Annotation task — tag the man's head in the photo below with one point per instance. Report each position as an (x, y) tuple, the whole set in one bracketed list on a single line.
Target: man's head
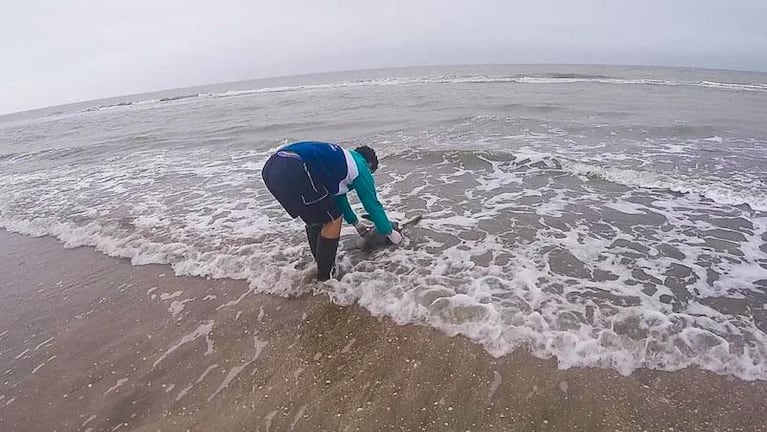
[(370, 157)]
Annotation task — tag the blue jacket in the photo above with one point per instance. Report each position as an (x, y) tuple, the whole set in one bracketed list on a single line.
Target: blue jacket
[(340, 171)]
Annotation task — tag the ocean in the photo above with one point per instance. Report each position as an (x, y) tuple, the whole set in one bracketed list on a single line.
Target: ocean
[(611, 217)]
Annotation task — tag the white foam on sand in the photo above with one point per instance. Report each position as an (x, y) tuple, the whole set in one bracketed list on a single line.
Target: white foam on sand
[(177, 306), (38, 367), (525, 250), (88, 420), (268, 420), (167, 296), (117, 385), (297, 418), (183, 392), (186, 389), (497, 380), (348, 346), (203, 330), (505, 306), (234, 371)]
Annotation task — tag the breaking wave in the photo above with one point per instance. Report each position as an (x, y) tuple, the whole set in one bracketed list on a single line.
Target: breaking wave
[(551, 79)]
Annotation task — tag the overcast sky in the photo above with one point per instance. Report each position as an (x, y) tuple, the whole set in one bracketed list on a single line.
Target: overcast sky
[(59, 51)]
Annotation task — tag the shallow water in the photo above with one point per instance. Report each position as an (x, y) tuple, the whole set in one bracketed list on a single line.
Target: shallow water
[(609, 217)]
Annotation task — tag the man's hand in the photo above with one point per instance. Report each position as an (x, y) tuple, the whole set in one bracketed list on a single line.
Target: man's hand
[(396, 237), (361, 228)]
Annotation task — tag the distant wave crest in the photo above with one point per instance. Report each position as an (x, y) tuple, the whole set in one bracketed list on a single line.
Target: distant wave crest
[(550, 79), (717, 191)]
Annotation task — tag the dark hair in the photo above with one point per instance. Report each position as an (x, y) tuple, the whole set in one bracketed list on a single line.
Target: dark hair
[(370, 156)]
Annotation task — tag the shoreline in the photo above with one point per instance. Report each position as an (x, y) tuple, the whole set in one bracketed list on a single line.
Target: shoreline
[(90, 343)]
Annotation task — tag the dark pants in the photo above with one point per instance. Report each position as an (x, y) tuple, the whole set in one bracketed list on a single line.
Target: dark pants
[(290, 181)]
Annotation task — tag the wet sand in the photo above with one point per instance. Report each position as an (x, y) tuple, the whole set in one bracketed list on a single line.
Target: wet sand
[(91, 343)]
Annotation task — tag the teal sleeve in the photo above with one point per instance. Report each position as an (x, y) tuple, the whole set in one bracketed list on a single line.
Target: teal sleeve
[(366, 190), (343, 203)]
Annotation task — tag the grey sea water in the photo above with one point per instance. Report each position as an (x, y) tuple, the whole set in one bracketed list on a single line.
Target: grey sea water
[(607, 216)]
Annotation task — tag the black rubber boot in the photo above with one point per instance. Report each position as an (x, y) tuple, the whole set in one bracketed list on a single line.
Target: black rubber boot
[(313, 235), (326, 257)]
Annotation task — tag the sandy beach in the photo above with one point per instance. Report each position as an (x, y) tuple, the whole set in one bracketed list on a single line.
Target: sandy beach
[(91, 343)]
